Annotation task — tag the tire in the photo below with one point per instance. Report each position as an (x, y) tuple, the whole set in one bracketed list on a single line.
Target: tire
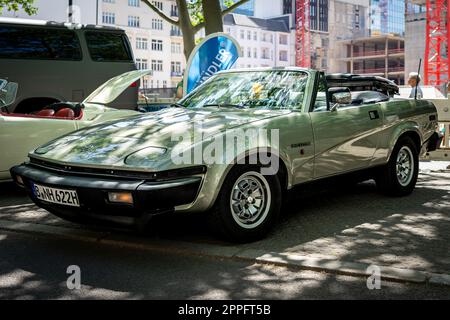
[(266, 199), (399, 177)]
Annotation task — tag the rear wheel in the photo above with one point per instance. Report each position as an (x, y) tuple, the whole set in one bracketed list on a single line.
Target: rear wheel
[(248, 204), (399, 176)]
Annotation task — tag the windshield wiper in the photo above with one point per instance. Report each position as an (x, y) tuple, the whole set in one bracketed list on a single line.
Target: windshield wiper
[(178, 105), (225, 105)]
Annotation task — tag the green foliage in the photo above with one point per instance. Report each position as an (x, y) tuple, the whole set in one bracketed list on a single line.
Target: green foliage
[(196, 12), (15, 5)]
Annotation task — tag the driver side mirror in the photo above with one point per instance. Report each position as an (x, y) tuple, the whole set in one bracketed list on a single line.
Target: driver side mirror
[(8, 92), (340, 98)]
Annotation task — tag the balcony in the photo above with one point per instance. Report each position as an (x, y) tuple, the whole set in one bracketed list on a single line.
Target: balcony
[(374, 53), (176, 74), (378, 70)]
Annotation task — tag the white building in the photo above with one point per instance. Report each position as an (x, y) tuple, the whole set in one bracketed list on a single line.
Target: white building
[(158, 45), (264, 43)]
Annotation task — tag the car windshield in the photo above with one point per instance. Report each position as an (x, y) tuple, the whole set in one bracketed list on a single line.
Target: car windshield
[(251, 89)]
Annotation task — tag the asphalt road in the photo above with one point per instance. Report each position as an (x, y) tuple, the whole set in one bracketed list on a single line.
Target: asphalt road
[(35, 268)]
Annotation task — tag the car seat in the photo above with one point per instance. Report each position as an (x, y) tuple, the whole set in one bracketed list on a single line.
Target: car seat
[(46, 113), (65, 113)]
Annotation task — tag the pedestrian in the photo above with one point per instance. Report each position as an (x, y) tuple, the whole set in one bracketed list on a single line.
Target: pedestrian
[(414, 81)]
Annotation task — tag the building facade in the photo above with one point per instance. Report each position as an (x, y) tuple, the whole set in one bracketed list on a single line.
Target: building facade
[(158, 45), (387, 17), (264, 42)]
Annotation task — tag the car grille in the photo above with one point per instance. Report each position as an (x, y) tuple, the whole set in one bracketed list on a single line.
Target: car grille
[(118, 174)]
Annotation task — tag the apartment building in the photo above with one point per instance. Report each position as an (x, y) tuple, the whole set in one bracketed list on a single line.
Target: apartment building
[(264, 42), (158, 45)]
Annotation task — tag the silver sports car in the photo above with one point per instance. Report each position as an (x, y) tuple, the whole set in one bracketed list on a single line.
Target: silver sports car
[(232, 149)]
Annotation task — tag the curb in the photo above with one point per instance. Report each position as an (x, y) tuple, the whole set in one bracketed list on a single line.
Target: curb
[(228, 252)]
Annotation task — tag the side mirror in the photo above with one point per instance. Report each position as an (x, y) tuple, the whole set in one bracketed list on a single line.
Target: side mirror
[(8, 93), (340, 98)]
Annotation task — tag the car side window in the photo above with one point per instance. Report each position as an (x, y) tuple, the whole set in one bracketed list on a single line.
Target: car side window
[(321, 103)]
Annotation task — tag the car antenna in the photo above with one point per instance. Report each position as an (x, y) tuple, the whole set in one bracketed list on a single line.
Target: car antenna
[(418, 79)]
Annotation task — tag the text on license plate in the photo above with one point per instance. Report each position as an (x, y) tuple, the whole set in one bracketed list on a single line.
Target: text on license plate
[(59, 196)]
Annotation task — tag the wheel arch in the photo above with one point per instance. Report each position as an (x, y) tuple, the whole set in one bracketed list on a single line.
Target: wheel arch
[(283, 172), (409, 130)]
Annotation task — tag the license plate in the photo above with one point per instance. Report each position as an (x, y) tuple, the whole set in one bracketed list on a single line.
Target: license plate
[(59, 196)]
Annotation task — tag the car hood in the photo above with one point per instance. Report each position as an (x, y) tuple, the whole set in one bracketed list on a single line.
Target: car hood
[(111, 89), (109, 144)]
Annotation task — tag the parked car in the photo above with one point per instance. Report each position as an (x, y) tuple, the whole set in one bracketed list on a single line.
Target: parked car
[(23, 132), (129, 170), (56, 62)]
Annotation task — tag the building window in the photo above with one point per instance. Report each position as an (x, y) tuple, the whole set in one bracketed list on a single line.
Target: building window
[(157, 24), (174, 10), (249, 35), (255, 53), (175, 47), (283, 39), (158, 4), (141, 43), (157, 45), (164, 84), (242, 34), (265, 54), (283, 55), (157, 65), (145, 83), (175, 31), (133, 21), (142, 64), (175, 69), (108, 18), (249, 52), (287, 6), (255, 36), (134, 3)]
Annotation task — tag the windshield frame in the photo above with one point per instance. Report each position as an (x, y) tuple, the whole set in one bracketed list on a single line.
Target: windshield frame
[(307, 94)]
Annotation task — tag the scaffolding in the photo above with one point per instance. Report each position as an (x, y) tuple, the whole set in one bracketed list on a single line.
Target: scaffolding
[(437, 71), (303, 41)]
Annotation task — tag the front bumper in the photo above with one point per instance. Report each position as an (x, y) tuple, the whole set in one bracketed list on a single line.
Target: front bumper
[(149, 197)]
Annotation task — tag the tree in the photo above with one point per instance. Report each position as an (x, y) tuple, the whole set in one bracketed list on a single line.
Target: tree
[(194, 15), (15, 5)]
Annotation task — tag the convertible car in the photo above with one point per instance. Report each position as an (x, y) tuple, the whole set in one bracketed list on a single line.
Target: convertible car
[(20, 133), (231, 149)]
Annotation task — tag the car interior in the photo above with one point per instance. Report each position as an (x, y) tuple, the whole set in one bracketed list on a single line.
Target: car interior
[(358, 98), (58, 110)]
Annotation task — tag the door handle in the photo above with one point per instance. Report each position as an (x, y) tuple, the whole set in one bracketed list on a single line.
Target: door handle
[(374, 115)]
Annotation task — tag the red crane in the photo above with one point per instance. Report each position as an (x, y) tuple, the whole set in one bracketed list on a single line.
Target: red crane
[(437, 71), (303, 42)]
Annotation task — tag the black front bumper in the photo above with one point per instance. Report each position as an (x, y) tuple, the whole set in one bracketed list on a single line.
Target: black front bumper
[(149, 197)]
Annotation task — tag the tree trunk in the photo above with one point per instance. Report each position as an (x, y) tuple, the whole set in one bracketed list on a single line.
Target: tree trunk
[(212, 11), (186, 28)]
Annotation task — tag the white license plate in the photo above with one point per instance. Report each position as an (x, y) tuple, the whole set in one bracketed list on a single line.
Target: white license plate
[(59, 196)]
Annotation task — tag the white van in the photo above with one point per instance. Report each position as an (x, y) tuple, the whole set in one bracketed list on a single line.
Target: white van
[(55, 62)]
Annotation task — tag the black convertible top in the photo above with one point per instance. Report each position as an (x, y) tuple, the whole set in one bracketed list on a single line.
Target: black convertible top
[(362, 83)]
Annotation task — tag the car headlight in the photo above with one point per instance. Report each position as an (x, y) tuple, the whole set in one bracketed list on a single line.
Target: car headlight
[(145, 157)]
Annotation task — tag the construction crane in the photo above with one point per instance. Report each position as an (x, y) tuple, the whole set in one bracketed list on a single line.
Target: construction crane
[(437, 71), (303, 41)]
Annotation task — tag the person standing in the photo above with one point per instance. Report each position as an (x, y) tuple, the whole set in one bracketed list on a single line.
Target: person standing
[(414, 81)]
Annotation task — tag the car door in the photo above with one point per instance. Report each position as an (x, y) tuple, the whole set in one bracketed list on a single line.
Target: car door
[(346, 139), (20, 134)]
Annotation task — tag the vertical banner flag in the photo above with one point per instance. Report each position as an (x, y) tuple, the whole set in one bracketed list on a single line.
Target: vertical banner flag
[(215, 53)]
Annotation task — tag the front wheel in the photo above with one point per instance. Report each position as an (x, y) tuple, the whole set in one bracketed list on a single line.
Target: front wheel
[(248, 204), (399, 176)]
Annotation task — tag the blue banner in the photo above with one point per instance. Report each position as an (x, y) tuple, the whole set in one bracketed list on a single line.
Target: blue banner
[(215, 53)]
